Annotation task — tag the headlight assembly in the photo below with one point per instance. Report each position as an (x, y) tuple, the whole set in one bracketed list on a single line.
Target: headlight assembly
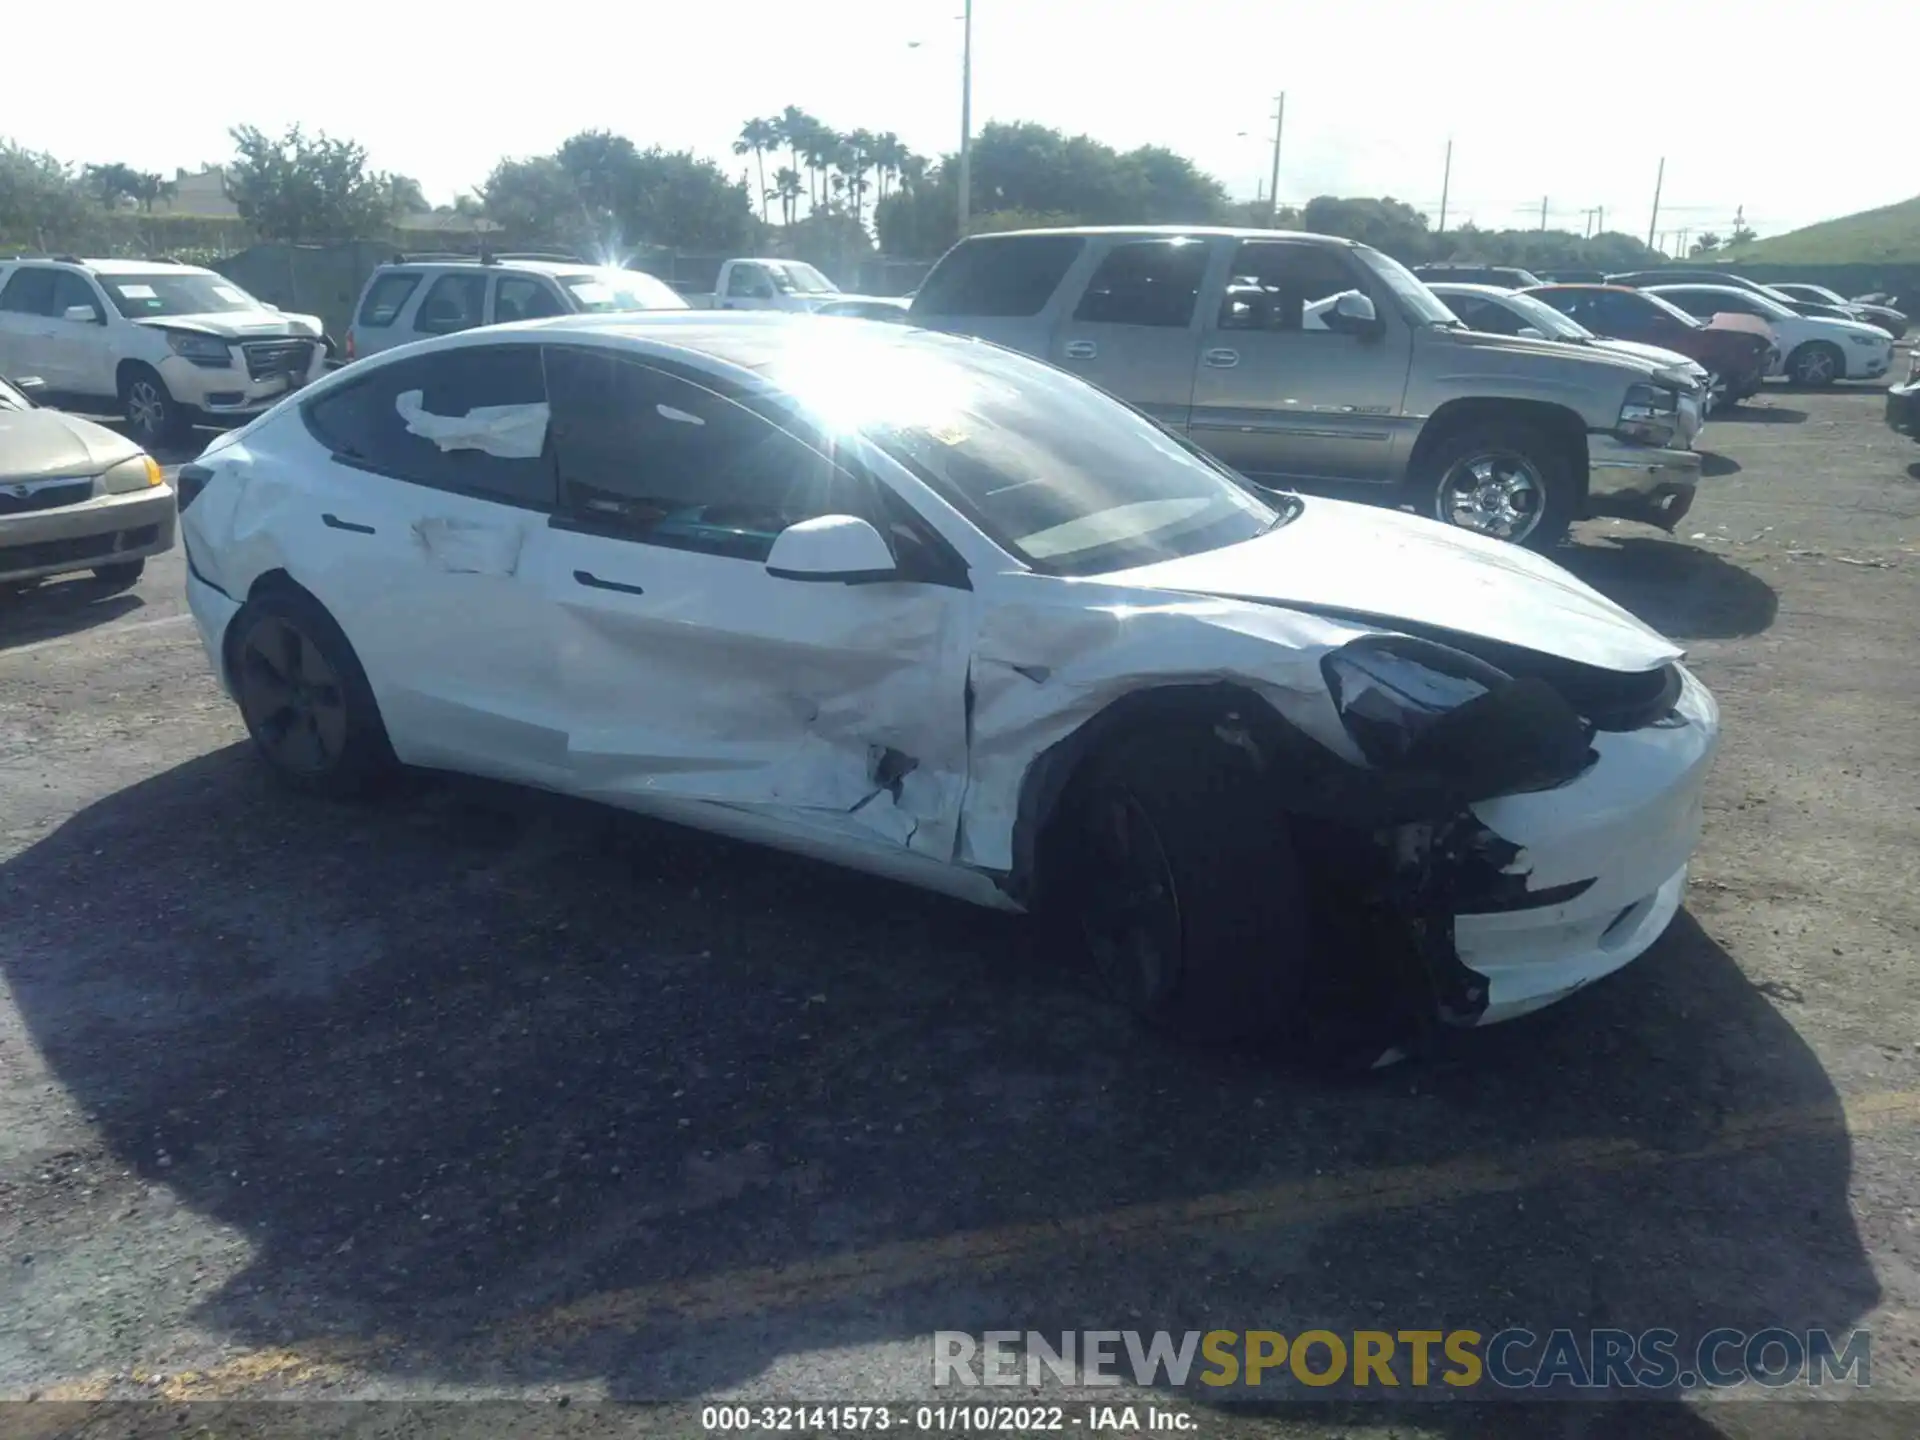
[(1428, 711), (1649, 414), (208, 350)]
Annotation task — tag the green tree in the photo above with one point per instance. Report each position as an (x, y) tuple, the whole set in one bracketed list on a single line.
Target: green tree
[(787, 189), (1705, 245), (114, 184), (407, 198), (756, 138), (42, 204), (1385, 223), (303, 190), (536, 198)]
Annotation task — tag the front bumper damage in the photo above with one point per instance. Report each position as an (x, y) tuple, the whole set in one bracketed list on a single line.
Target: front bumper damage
[(1639, 482)]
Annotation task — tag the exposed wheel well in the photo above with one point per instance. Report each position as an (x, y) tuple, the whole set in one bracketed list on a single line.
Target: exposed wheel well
[(1558, 421), (267, 582), (1244, 723)]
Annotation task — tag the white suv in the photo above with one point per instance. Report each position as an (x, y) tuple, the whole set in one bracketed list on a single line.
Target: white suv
[(418, 296), (162, 344)]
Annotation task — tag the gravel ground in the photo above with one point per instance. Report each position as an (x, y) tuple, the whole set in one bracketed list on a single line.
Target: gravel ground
[(486, 1093)]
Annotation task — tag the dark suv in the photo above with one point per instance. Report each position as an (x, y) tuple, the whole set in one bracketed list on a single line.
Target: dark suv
[(1507, 277)]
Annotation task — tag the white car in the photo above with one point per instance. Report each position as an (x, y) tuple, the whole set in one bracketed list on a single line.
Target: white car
[(1813, 351), (1494, 311), (164, 345), (925, 607)]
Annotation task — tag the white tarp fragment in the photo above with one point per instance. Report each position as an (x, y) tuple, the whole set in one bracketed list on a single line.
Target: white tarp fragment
[(469, 547), (511, 432)]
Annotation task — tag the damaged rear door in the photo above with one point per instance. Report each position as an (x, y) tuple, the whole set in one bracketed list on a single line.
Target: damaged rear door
[(690, 673), (412, 535)]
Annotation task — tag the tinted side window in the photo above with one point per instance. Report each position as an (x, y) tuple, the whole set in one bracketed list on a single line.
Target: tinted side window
[(29, 292), (1148, 282), (651, 456), (1000, 278), (405, 420), (748, 282), (1271, 285), (453, 302), (69, 290), (386, 298), (1694, 303), (521, 297), (1484, 315)]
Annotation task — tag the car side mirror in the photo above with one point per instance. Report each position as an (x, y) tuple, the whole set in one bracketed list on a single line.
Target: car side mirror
[(1527, 332), (81, 315), (32, 387), (1352, 314), (841, 548)]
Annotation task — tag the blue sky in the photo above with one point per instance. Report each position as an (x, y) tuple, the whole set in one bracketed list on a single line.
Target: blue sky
[(1575, 104)]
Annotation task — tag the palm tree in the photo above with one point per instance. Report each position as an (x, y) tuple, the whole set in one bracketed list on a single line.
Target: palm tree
[(821, 147), (858, 160), (888, 152), (912, 168), (787, 189), (756, 138), (794, 125)]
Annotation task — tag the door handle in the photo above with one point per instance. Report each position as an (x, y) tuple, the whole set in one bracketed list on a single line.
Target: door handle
[(1222, 359), (1081, 350), (587, 577), (334, 522)]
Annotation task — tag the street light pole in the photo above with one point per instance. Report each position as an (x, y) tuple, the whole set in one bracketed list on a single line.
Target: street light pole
[(1273, 189), (966, 115)]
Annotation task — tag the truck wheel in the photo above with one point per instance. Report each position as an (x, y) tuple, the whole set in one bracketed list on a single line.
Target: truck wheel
[(1509, 482), (153, 415), (1816, 363), (1179, 876), (305, 700)]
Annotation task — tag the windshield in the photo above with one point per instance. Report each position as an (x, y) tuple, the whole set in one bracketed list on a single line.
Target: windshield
[(1692, 321), (1544, 318), (1421, 305), (798, 277), (140, 297), (600, 292), (1053, 471)]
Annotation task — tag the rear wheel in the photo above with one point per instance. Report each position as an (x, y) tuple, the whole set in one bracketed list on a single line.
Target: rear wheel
[(1816, 363), (305, 700), (1183, 886), (1511, 482)]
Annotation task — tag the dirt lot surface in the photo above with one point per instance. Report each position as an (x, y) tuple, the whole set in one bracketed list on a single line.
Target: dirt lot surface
[(480, 1092)]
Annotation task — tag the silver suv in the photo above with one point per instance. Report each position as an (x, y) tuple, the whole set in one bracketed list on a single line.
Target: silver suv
[(422, 295), (1313, 361)]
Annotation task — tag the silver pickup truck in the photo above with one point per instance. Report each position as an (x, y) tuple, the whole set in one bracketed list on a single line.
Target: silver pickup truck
[(1310, 361)]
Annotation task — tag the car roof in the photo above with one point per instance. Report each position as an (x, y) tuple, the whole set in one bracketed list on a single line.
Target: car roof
[(110, 266), (537, 267), (1152, 232), (1699, 285), (1472, 288)]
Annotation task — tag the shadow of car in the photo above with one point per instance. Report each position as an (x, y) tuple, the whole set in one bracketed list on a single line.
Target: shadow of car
[(510, 1090)]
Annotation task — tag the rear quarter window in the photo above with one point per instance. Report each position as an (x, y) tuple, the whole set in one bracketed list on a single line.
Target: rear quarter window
[(1003, 277), (386, 298)]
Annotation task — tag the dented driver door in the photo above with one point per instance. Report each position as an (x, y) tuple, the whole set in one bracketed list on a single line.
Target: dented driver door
[(828, 712)]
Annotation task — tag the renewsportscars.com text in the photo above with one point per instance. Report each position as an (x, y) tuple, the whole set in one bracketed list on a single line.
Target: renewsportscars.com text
[(1510, 1359)]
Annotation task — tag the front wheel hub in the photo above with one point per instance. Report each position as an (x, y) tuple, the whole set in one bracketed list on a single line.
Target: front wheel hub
[(1498, 495)]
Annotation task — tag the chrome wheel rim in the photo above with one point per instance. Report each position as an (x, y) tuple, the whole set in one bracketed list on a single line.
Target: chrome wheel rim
[(1497, 494), (292, 698), (1816, 368), (146, 407)]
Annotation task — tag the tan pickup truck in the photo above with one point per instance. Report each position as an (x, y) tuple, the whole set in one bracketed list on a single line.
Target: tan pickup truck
[(1309, 361)]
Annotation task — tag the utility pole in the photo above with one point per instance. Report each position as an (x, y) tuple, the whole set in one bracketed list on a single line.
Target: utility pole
[(1587, 234), (1658, 181), (1543, 212), (1273, 190), (1446, 179), (1600, 223), (966, 114)]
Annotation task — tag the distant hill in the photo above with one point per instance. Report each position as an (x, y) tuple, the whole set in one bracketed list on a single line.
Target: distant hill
[(1887, 236)]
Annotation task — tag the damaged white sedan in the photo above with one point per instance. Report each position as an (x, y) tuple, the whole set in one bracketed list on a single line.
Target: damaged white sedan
[(922, 606)]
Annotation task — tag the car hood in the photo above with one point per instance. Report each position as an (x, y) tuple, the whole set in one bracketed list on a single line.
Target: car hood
[(47, 445), (1584, 358), (1651, 354), (241, 324), (1356, 560)]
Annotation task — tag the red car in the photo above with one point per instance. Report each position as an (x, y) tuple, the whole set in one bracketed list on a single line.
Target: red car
[(1739, 359)]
